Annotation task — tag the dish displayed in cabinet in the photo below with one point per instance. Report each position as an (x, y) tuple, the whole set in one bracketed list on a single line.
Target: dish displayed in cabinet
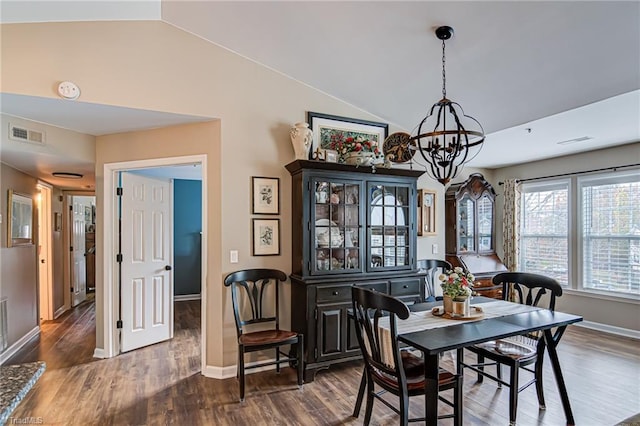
[(328, 234)]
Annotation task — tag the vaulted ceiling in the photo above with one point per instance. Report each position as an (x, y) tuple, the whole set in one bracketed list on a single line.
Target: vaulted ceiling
[(565, 70)]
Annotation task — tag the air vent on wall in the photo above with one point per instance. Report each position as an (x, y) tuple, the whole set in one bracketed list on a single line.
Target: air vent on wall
[(22, 134)]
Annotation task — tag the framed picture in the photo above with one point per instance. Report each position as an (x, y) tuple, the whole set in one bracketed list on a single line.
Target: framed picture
[(426, 212), (330, 129), (19, 219), (266, 237), (266, 195), (331, 156)]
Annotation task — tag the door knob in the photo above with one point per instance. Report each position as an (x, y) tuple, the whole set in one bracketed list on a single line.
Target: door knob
[(167, 267)]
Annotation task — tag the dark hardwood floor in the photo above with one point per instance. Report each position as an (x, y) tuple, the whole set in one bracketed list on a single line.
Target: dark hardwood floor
[(162, 384)]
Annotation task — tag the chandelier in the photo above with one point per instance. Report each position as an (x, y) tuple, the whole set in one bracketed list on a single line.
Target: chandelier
[(447, 138)]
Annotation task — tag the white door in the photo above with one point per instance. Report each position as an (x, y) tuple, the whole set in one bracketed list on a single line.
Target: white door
[(146, 295), (78, 261)]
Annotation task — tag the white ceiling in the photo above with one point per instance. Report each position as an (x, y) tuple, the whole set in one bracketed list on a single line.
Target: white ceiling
[(563, 69)]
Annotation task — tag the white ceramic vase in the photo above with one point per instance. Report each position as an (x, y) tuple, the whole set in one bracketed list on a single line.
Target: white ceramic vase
[(301, 137)]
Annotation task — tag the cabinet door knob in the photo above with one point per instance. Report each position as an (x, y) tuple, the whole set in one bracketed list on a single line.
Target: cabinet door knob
[(335, 293), (405, 286)]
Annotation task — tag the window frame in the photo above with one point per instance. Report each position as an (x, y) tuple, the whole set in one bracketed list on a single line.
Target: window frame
[(607, 178)]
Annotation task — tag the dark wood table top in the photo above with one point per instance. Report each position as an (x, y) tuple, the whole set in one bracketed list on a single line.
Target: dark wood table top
[(463, 334)]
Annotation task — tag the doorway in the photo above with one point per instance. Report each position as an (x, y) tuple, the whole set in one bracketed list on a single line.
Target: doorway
[(45, 251), (111, 296)]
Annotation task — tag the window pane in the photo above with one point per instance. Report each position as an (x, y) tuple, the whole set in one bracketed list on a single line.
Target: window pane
[(611, 234), (544, 231)]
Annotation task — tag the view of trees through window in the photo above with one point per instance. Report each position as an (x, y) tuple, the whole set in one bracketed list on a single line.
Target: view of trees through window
[(545, 231), (598, 224)]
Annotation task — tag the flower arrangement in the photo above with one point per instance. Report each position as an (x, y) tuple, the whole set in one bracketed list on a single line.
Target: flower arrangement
[(347, 145), (456, 283)]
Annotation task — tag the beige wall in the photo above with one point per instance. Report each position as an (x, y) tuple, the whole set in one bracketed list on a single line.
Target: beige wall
[(176, 141), (611, 312), (18, 281), (151, 65)]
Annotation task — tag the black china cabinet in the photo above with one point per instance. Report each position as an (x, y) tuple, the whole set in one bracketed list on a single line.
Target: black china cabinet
[(350, 226)]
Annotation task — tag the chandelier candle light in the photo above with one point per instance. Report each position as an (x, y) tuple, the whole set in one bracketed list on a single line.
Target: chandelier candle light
[(447, 138)]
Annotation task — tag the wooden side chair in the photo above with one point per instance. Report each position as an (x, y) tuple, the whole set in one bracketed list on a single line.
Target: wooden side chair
[(433, 268), (253, 305), (405, 378), (519, 351)]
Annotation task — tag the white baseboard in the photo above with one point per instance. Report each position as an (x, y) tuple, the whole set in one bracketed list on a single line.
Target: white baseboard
[(183, 297), (11, 350), (231, 371), (99, 353), (59, 312), (625, 332)]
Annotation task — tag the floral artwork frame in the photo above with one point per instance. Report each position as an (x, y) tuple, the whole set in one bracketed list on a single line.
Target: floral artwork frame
[(325, 126), (266, 195), (266, 237)]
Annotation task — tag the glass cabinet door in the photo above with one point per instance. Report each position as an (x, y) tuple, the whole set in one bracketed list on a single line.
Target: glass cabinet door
[(466, 224), (388, 226), (485, 223), (336, 226)]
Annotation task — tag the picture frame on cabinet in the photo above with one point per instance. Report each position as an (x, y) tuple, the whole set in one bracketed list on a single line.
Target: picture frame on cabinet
[(266, 195), (266, 237), (327, 129), (426, 212)]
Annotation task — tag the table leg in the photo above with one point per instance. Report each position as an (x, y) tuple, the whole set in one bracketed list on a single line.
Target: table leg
[(551, 343), (431, 374)]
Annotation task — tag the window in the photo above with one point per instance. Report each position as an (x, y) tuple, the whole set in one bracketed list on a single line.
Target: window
[(544, 230), (610, 232), (597, 217)]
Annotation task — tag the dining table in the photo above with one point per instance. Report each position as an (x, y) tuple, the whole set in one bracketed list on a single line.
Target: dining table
[(500, 319)]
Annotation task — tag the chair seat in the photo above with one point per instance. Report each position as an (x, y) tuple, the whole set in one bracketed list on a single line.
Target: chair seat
[(266, 336), (414, 372), (518, 348)]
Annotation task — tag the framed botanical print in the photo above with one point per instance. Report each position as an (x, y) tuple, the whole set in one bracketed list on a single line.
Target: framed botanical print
[(266, 195), (266, 237)]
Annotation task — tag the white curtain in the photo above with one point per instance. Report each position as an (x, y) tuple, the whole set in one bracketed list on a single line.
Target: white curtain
[(511, 224)]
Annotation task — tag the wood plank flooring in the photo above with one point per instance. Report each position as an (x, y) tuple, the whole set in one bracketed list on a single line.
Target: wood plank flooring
[(162, 384)]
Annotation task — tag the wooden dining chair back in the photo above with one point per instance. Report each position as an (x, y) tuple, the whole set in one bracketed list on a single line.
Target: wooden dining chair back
[(386, 365), (432, 268), (252, 308), (520, 351)]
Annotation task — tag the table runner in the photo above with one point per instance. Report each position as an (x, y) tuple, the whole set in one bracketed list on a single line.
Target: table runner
[(425, 320)]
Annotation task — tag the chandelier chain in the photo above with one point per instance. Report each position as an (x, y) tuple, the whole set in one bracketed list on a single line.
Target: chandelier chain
[(444, 75)]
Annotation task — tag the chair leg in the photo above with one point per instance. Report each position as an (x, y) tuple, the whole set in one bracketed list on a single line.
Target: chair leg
[(241, 371), (300, 360), (539, 386), (278, 359), (369, 407), (361, 392), (499, 373), (480, 362), (513, 394), (404, 408)]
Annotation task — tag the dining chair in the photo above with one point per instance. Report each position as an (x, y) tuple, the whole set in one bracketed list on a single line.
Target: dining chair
[(519, 351), (396, 371), (432, 268), (252, 309)]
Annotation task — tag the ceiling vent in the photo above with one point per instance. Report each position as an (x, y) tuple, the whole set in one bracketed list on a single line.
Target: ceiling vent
[(576, 140), (22, 134)]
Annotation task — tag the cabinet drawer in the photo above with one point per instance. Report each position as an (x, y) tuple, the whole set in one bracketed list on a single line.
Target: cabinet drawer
[(342, 293), (405, 287), (334, 294)]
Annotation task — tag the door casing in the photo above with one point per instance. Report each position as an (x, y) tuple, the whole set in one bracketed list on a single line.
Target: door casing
[(110, 291)]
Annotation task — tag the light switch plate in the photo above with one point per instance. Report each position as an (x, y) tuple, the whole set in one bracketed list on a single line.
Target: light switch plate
[(233, 256), (434, 248)]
